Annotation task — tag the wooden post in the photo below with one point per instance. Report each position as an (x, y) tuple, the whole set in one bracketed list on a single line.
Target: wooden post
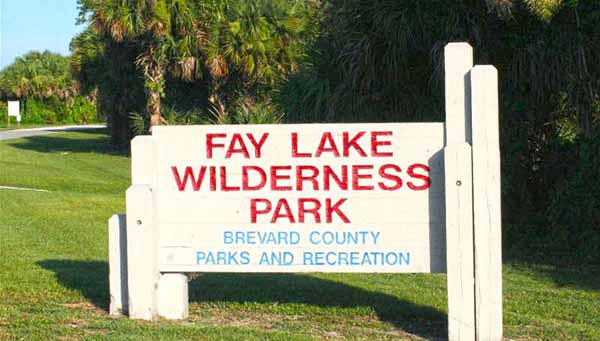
[(142, 260), (458, 61), (459, 241), (487, 203), (459, 205), (117, 260), (173, 296), (143, 160), (142, 232), (171, 291)]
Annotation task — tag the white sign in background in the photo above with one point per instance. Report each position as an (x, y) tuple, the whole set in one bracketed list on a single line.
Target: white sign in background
[(14, 110), (385, 212)]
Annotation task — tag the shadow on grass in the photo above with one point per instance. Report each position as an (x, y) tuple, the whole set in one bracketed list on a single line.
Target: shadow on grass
[(94, 141), (90, 278), (304, 289), (580, 277), (563, 268)]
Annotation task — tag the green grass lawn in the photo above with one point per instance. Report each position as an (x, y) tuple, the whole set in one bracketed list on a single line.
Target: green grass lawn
[(54, 272)]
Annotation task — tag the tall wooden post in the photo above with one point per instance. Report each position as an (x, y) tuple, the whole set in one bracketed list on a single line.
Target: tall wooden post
[(487, 201), (459, 205), (142, 232)]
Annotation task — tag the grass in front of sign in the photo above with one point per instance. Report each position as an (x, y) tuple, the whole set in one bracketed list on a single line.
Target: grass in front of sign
[(54, 274)]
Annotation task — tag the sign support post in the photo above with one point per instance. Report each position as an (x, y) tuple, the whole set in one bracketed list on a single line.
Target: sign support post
[(486, 201), (142, 232), (459, 202), (117, 260)]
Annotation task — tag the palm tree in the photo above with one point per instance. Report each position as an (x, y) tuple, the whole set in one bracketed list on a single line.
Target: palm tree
[(167, 32), (39, 75), (251, 44)]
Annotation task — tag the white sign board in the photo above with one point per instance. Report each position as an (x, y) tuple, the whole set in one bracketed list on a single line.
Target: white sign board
[(13, 110), (393, 197), (296, 198)]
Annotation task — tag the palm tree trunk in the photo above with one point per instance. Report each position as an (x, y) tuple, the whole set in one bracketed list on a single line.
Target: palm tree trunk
[(154, 107), (153, 67)]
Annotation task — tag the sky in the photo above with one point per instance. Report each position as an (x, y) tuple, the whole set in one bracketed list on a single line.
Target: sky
[(27, 25)]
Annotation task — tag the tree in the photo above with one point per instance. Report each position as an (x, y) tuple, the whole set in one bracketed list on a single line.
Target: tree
[(38, 75), (165, 31), (251, 45)]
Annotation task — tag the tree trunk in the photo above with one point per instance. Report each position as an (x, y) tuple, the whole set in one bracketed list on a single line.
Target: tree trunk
[(154, 73), (154, 108)]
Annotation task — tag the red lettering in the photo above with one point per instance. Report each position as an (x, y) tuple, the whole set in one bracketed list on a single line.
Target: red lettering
[(425, 178), (356, 177), (329, 210), (348, 142), (301, 177), (257, 145), (188, 174), (213, 178), (304, 209), (392, 177), (210, 145), (224, 186), (276, 177), (237, 138), (282, 204), (246, 179), (375, 143), (254, 212), (331, 148), (329, 174), (295, 152)]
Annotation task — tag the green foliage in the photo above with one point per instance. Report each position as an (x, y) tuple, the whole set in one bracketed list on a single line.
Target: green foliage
[(545, 9), (43, 84), (37, 75), (224, 50), (256, 41), (139, 122), (87, 60), (40, 113), (3, 109), (248, 111), (53, 110), (163, 34), (374, 61), (574, 210), (82, 111)]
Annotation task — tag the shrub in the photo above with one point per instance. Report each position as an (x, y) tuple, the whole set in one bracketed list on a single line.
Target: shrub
[(574, 210), (53, 110), (82, 111)]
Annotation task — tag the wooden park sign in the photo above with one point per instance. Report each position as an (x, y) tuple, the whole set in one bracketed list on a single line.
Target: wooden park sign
[(393, 197)]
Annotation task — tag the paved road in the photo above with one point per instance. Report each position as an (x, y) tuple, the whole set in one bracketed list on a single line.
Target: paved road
[(14, 134)]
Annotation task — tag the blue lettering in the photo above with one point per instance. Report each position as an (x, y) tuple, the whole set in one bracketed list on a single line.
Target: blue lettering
[(227, 237)]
